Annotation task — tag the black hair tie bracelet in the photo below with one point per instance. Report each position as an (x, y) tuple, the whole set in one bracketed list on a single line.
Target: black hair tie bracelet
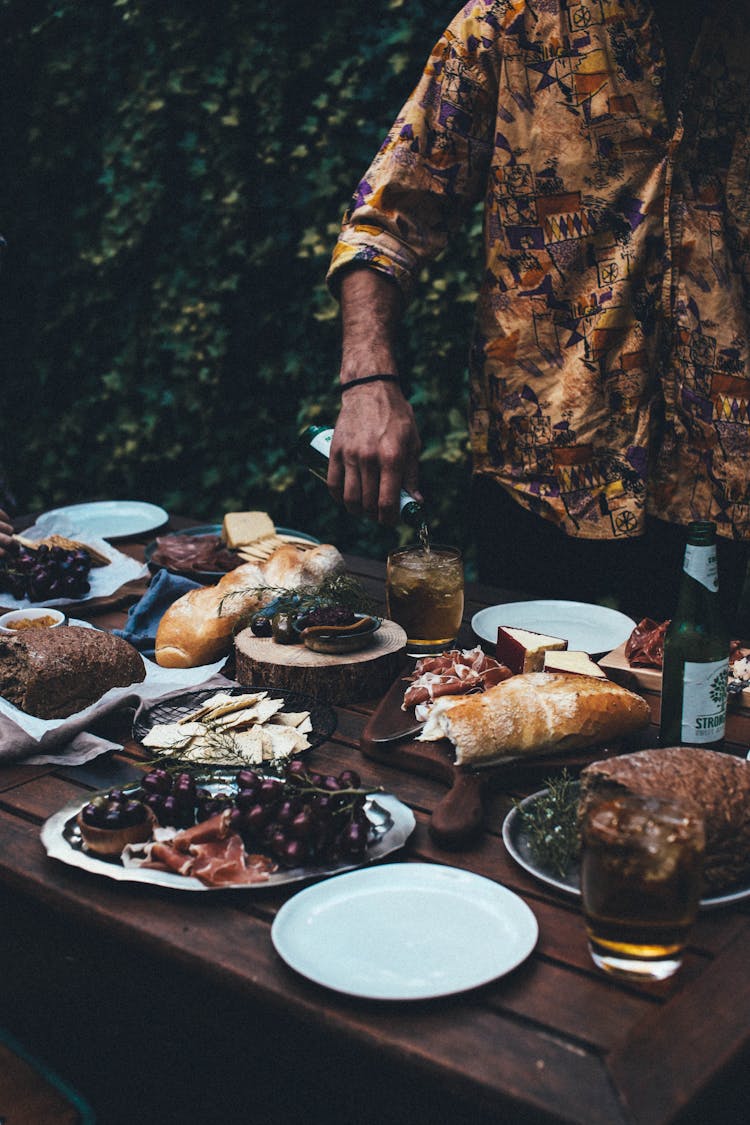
[(369, 379)]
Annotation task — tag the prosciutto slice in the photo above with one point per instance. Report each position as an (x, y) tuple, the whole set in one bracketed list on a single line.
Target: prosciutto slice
[(194, 552), (645, 645), (209, 851), (456, 672)]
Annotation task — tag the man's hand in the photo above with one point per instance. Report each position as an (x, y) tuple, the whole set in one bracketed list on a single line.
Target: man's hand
[(374, 452), (375, 447), (6, 531)]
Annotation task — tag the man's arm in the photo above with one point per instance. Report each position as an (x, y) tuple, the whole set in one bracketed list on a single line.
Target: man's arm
[(375, 448), (5, 532)]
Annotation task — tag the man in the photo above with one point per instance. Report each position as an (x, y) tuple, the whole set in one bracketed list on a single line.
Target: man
[(609, 403), (6, 532)]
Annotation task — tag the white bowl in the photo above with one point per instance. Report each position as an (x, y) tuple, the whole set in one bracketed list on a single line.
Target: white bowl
[(59, 618)]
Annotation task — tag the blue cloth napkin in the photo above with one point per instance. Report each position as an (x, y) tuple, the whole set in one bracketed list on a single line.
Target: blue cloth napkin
[(144, 617)]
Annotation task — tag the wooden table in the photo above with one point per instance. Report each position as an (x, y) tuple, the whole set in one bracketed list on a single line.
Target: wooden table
[(178, 1007)]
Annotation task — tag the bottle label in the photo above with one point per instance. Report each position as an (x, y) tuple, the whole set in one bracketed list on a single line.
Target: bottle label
[(704, 701), (321, 443), (700, 563)]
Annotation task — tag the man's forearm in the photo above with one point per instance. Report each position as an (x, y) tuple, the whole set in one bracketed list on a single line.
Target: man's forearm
[(370, 313), (375, 447)]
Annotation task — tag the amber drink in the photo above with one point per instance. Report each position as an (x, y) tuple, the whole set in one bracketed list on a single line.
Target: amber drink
[(425, 595), (640, 882)]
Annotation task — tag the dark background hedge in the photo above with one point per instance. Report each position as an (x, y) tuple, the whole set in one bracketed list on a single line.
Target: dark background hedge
[(174, 174)]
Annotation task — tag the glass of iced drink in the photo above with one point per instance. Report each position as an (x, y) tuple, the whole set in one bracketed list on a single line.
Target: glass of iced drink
[(641, 866), (425, 595)]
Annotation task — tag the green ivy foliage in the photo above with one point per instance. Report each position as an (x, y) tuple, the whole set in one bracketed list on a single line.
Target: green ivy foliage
[(175, 174)]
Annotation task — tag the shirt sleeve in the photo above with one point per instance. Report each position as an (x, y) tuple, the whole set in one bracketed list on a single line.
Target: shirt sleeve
[(432, 166)]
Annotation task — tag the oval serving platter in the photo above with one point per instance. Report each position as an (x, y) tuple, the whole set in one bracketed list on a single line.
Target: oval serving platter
[(392, 824)]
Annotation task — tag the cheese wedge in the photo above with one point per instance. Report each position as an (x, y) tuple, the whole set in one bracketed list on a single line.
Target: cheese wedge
[(521, 650), (569, 660), (241, 528)]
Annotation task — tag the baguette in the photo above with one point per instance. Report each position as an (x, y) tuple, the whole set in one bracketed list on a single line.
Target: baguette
[(198, 627), (716, 785), (535, 713)]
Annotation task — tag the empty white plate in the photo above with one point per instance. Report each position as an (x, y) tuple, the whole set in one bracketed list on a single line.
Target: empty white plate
[(404, 931), (113, 519)]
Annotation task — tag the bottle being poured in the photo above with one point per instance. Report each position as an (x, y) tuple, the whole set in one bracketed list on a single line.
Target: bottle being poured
[(315, 451)]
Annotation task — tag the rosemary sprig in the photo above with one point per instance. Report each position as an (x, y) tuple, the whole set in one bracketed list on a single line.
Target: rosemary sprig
[(220, 748), (337, 589), (551, 824)]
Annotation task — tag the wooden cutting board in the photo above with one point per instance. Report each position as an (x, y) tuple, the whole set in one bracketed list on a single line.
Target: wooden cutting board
[(459, 817), (340, 679), (128, 593)]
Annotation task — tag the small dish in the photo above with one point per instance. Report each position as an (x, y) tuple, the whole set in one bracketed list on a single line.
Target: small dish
[(35, 618), (341, 639)]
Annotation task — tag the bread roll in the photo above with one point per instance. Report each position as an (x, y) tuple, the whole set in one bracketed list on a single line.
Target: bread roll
[(289, 566), (535, 713), (717, 785), (198, 627)]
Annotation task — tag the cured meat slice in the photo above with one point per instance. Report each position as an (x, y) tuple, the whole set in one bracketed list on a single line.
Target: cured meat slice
[(456, 672), (209, 851), (645, 645)]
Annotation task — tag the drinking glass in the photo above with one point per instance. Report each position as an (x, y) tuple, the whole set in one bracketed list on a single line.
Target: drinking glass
[(640, 882), (425, 595)]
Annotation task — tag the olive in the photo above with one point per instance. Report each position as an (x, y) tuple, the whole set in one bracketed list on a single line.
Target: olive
[(282, 628), (260, 625)]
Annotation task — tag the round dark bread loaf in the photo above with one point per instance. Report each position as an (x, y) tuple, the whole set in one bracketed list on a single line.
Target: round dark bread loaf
[(716, 784), (52, 673)]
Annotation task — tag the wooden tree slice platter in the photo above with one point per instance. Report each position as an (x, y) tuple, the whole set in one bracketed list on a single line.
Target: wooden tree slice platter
[(345, 678)]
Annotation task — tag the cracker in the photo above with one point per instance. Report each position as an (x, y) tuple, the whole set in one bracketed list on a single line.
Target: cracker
[(168, 736)]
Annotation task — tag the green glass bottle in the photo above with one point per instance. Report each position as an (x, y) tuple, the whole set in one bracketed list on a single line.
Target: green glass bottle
[(314, 450), (696, 651)]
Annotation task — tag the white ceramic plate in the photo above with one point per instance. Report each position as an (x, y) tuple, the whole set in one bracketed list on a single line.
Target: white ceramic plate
[(589, 628), (404, 931), (113, 519), (516, 841)]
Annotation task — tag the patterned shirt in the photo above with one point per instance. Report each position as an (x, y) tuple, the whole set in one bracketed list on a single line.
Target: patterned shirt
[(609, 366)]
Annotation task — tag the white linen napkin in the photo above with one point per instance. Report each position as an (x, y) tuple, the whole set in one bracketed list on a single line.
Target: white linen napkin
[(104, 580), (24, 738)]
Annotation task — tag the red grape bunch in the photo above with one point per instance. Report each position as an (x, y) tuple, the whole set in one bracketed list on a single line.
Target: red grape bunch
[(44, 573), (299, 818), (303, 817)]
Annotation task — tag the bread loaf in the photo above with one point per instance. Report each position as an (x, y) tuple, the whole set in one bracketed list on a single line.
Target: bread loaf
[(535, 713), (52, 673), (716, 784), (198, 627)]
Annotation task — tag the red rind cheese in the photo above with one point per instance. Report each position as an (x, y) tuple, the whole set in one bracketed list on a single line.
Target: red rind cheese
[(523, 650)]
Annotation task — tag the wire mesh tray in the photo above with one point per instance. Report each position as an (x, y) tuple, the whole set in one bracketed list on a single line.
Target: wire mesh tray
[(175, 707)]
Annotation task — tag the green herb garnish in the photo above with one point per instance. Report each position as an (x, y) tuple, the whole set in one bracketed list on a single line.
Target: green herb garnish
[(339, 589), (551, 824)]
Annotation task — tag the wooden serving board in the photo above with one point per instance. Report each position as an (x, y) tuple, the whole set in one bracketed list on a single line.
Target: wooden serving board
[(128, 593), (459, 817), (647, 681), (340, 679)]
